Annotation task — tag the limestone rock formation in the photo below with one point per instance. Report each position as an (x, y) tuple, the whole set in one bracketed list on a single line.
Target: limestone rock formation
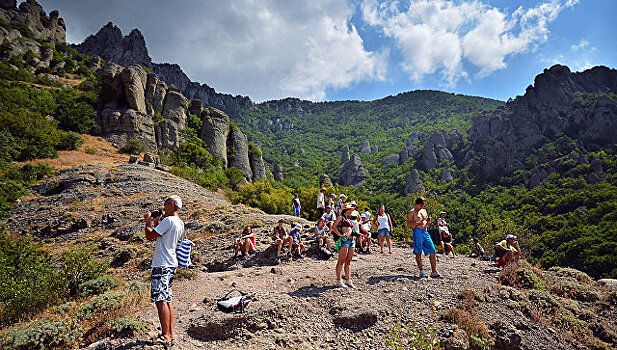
[(214, 132), (109, 44), (547, 108), (391, 159), (345, 154), (278, 173), (134, 79), (257, 163), (365, 148), (352, 173), (239, 158), (447, 175), (436, 147), (374, 149), (413, 183)]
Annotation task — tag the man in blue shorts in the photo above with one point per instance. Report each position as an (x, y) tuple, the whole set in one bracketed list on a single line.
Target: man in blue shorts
[(418, 219)]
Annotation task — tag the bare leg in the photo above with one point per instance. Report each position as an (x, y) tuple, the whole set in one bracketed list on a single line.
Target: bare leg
[(164, 317), (250, 247), (389, 244), (433, 259), (419, 261), (342, 256), (380, 239), (172, 315), (350, 252), (279, 245)]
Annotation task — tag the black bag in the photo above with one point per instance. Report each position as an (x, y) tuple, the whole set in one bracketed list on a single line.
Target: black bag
[(324, 253), (233, 304)]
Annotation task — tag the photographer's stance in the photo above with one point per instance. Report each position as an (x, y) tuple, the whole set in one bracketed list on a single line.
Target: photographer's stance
[(164, 264)]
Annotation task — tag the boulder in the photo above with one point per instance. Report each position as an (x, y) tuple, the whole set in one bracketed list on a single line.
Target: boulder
[(239, 143), (196, 107), (447, 175), (609, 282), (278, 173), (365, 148), (413, 183), (374, 149), (324, 180), (352, 173), (345, 154), (404, 156), (391, 159), (134, 79), (214, 132)]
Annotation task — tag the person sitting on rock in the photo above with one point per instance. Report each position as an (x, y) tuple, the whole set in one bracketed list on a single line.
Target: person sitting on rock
[(246, 243), (477, 250), (507, 251), (280, 237), (330, 217), (297, 244), (445, 237), (321, 233), (365, 233)]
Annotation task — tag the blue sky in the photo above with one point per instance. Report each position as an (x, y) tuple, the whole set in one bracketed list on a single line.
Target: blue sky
[(360, 49)]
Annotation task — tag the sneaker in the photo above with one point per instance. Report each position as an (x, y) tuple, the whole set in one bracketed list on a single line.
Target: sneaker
[(436, 275), (300, 256), (341, 284), (423, 274), (350, 284), (246, 255), (278, 260)]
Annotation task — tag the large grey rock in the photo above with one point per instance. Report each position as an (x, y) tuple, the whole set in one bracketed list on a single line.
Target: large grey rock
[(214, 132), (134, 79), (352, 173), (447, 175), (404, 156), (365, 148), (324, 180), (257, 163), (413, 183), (436, 147), (155, 94), (345, 154), (278, 173), (169, 131), (391, 159), (374, 149), (109, 44), (238, 142)]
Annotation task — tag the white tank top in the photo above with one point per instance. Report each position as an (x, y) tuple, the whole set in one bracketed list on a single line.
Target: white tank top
[(383, 222)]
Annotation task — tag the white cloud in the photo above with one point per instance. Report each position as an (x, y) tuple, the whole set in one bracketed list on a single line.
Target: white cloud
[(438, 35)]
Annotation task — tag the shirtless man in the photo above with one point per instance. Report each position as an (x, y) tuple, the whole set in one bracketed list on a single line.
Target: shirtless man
[(418, 219)]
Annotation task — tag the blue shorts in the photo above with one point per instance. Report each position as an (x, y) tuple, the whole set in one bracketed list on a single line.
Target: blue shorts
[(162, 281), (296, 211), (422, 242), (348, 242), (383, 232)]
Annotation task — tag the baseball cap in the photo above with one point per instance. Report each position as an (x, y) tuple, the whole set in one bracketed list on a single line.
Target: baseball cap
[(298, 227), (510, 236), (281, 220), (342, 196), (442, 212), (353, 203)]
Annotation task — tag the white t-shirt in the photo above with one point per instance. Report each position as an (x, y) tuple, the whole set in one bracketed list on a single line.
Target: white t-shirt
[(441, 222), (329, 217), (170, 229), (321, 202), (383, 222)]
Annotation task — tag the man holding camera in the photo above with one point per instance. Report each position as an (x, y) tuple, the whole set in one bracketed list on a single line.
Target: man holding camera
[(164, 263), (507, 251)]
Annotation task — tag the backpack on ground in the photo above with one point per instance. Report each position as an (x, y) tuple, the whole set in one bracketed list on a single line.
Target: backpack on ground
[(324, 253), (235, 304)]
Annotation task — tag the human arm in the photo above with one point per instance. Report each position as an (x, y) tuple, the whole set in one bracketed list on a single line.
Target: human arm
[(410, 219), (151, 234)]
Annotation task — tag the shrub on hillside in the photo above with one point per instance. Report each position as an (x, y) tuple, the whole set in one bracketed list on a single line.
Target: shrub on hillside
[(263, 195), (79, 266), (128, 326), (43, 334), (70, 141), (98, 285), (132, 146)]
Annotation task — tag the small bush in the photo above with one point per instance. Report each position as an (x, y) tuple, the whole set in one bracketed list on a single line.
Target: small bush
[(413, 335), (572, 273), (529, 279), (128, 326), (215, 227), (91, 150), (138, 287), (109, 301), (185, 274), (79, 266), (127, 253), (70, 141), (253, 223), (475, 328), (132, 146), (97, 286), (43, 334)]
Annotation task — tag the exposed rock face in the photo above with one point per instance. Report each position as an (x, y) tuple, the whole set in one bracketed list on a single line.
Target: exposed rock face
[(345, 154), (374, 149), (109, 44), (174, 120), (8, 4), (119, 126), (257, 164), (214, 133), (447, 175), (134, 80), (549, 107), (352, 173), (324, 180), (239, 143), (413, 183), (436, 147), (391, 159), (365, 148), (278, 173)]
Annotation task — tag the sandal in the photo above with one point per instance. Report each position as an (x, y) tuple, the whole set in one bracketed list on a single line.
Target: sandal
[(161, 340)]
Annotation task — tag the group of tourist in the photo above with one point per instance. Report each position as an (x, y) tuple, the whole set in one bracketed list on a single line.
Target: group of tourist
[(343, 223)]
